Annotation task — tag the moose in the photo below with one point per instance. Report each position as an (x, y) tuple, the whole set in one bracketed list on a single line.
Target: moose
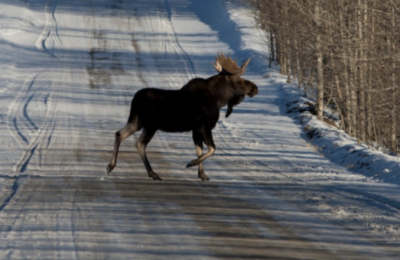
[(195, 107)]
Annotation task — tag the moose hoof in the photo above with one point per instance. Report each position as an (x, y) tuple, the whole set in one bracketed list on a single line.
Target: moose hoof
[(155, 177), (192, 163), (204, 178), (109, 168)]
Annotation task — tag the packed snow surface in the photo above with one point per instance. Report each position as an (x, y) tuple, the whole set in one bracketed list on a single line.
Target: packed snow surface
[(69, 70)]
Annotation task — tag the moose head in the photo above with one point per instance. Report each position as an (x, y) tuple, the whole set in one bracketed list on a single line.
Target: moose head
[(239, 86)]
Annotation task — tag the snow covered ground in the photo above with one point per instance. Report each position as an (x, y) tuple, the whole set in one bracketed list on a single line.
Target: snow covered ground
[(69, 71)]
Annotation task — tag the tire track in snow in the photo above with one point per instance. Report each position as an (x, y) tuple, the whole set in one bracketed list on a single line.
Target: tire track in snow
[(26, 113), (50, 29), (23, 138), (8, 244), (31, 136), (20, 168), (16, 122), (104, 63), (176, 38), (23, 128), (138, 59), (28, 133), (17, 182)]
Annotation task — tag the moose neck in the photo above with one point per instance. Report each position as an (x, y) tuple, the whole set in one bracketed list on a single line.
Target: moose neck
[(221, 89)]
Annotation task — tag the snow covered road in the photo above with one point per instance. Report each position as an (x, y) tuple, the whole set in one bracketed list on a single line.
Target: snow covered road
[(69, 71)]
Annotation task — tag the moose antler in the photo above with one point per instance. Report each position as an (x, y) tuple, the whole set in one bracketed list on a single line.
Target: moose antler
[(222, 63)]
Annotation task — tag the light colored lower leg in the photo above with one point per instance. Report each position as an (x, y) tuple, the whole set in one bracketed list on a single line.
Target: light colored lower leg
[(199, 152), (202, 158), (141, 145), (142, 152), (120, 136), (210, 152)]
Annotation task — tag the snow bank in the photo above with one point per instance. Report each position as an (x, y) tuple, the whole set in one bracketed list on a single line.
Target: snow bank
[(338, 146)]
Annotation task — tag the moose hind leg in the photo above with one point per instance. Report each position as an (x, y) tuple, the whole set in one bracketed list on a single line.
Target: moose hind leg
[(120, 136), (198, 142), (141, 145)]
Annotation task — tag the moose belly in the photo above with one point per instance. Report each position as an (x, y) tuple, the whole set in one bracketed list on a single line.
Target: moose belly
[(184, 124), (175, 129), (170, 121)]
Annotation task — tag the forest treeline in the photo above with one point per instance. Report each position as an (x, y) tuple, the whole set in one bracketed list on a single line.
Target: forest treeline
[(347, 53)]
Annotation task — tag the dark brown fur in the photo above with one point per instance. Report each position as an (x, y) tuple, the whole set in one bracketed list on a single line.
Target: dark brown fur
[(195, 107)]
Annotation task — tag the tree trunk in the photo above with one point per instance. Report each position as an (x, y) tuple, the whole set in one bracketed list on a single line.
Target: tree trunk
[(272, 47), (393, 112), (369, 85), (320, 71), (361, 71)]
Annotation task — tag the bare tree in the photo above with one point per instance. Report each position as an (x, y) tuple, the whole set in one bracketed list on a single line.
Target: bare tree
[(345, 52)]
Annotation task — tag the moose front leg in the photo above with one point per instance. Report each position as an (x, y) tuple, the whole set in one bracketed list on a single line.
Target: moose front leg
[(198, 142), (229, 111), (208, 140)]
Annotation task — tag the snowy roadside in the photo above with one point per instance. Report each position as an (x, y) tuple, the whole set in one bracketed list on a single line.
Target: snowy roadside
[(339, 147), (329, 141)]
